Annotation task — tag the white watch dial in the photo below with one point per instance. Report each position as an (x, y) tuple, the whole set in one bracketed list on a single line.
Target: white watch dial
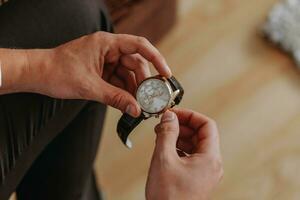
[(153, 95)]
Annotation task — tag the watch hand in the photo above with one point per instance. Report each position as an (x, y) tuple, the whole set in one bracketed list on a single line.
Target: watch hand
[(157, 94)]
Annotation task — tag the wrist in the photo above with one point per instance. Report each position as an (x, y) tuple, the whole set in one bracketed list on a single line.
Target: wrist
[(23, 70), (35, 75), (13, 65)]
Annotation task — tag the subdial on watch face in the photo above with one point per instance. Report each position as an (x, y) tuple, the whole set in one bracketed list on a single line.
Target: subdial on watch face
[(153, 95)]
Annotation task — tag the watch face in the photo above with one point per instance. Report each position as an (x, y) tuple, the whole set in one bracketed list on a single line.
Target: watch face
[(153, 95)]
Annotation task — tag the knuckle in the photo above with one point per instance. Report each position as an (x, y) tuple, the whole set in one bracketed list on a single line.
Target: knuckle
[(96, 36), (116, 100), (166, 160), (120, 37), (211, 121), (85, 90), (158, 128), (217, 167), (221, 174), (142, 40), (101, 36), (167, 127), (141, 61), (155, 58)]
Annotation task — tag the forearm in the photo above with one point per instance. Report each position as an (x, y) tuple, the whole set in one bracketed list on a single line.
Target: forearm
[(19, 70), (14, 66)]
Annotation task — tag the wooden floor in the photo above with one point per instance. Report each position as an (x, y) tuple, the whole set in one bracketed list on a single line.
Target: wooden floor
[(233, 75)]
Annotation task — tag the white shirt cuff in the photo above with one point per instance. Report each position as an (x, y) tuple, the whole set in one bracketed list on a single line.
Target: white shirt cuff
[(0, 75)]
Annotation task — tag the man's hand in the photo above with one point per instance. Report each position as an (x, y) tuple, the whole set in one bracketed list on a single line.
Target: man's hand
[(102, 66), (191, 175)]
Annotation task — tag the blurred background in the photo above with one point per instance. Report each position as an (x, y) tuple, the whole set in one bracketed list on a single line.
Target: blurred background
[(230, 73)]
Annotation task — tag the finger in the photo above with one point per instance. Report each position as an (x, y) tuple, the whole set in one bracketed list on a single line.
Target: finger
[(138, 64), (118, 98), (167, 134), (185, 132), (208, 139), (190, 118), (128, 78), (185, 146), (206, 128), (129, 44), (109, 70), (114, 80)]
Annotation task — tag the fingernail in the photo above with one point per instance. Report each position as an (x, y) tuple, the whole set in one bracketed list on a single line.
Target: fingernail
[(130, 110), (168, 116), (169, 70)]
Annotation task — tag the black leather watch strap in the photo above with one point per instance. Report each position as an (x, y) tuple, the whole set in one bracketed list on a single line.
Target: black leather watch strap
[(176, 86), (125, 125)]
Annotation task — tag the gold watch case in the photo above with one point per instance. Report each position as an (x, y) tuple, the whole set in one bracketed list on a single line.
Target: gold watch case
[(173, 95)]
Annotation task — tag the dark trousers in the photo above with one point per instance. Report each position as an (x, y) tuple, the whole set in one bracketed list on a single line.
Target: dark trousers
[(47, 146)]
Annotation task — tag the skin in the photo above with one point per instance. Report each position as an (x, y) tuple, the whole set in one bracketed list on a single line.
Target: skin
[(175, 175), (107, 68), (103, 67)]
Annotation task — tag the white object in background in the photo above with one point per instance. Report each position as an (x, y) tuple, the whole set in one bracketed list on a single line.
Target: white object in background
[(283, 27), (0, 75)]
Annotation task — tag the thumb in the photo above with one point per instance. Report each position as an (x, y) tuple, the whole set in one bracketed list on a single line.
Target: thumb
[(119, 99), (167, 133)]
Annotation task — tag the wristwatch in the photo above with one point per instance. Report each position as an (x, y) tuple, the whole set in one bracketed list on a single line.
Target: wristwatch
[(154, 95)]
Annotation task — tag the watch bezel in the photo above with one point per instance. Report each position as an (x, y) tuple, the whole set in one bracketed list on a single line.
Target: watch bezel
[(170, 90)]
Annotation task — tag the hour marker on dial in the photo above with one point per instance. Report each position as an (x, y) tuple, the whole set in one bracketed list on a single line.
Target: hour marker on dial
[(153, 95)]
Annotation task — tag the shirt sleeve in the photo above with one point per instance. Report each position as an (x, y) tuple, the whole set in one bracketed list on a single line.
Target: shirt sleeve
[(0, 75)]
